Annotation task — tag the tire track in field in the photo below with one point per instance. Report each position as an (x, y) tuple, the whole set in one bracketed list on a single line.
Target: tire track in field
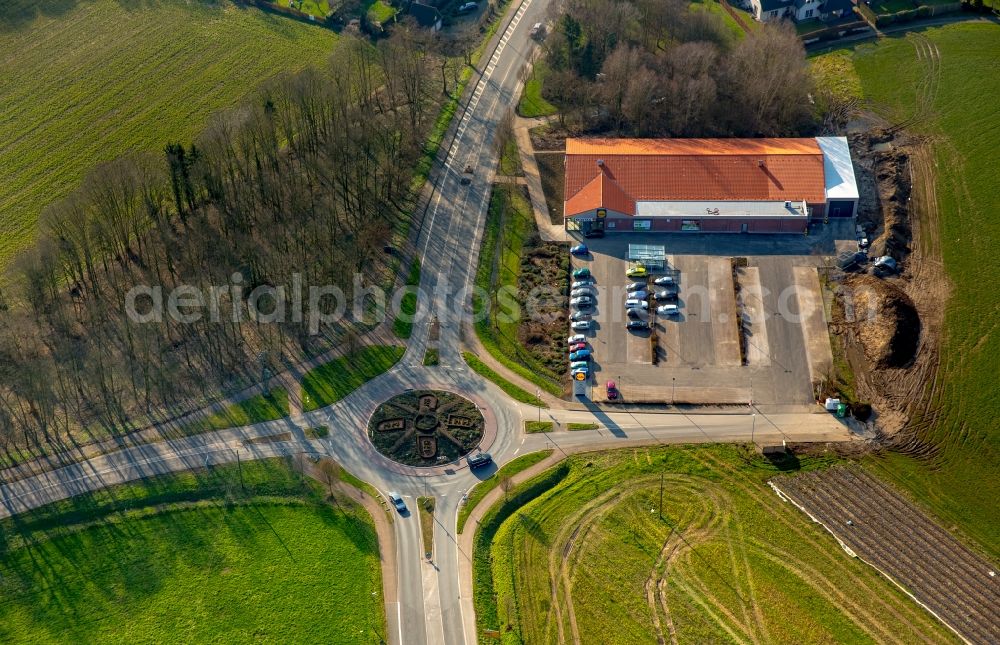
[(771, 502)]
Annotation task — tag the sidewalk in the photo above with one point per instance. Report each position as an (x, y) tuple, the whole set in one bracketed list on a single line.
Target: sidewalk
[(548, 231)]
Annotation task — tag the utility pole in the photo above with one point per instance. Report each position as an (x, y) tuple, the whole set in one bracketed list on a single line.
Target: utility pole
[(673, 391), (661, 494), (753, 428), (239, 465), (538, 397)]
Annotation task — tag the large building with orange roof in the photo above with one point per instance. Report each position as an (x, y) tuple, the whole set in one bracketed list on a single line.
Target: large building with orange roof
[(709, 185)]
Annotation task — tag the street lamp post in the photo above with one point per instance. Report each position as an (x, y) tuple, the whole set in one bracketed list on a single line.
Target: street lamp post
[(538, 398), (673, 391)]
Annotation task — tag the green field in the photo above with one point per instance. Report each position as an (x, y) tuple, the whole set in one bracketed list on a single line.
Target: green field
[(533, 104), (187, 558), (83, 82), (256, 409), (956, 105), (590, 557), (333, 381), (511, 390)]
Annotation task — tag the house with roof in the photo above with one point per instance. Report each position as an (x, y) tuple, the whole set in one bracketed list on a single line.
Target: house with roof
[(776, 185), (426, 15), (800, 10)]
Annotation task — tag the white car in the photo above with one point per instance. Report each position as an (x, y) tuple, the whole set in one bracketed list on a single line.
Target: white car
[(635, 303), (576, 338), (580, 325), (580, 292), (668, 310), (663, 281), (580, 284), (582, 301)]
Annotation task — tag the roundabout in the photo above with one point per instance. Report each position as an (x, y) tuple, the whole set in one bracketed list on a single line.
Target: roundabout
[(424, 428)]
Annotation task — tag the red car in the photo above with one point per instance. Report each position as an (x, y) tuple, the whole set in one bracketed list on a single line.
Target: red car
[(612, 391), (577, 347)]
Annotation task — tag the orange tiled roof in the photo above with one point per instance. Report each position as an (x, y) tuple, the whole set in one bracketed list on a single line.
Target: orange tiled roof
[(600, 192), (695, 170)]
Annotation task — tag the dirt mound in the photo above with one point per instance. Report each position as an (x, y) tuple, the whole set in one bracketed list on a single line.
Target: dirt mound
[(886, 321)]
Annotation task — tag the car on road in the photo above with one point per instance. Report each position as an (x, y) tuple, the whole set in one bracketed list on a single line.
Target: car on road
[(579, 249), (635, 286), (664, 281), (397, 501), (580, 325), (582, 301), (638, 271), (636, 325), (479, 460), (665, 295), (612, 390), (579, 355), (582, 284), (467, 7), (580, 292), (668, 310), (579, 315), (576, 339), (575, 347), (635, 303), (537, 30), (582, 272)]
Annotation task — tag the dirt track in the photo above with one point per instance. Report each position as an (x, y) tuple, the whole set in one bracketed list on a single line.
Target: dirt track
[(903, 543)]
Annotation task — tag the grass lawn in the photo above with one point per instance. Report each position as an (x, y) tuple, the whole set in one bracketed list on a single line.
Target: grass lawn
[(318, 8), (329, 383), (733, 27), (892, 6), (425, 506), (509, 223), (381, 12), (586, 548), (188, 558), (960, 483), (432, 357), (480, 490), (532, 103), (582, 426), (257, 409), (509, 388), (531, 427), (82, 82), (402, 326)]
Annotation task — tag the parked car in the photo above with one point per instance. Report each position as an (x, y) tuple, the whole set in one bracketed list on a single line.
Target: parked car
[(579, 292), (467, 7), (665, 295), (583, 272), (635, 325), (638, 271), (537, 30), (579, 365), (580, 325), (579, 249), (612, 390), (664, 281), (635, 303), (582, 301), (582, 284), (579, 315), (576, 339), (397, 501), (634, 314), (580, 355), (638, 295), (479, 460), (635, 286), (668, 310)]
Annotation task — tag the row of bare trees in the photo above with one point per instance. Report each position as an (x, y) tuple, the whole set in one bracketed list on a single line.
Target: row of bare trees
[(661, 67), (309, 176)]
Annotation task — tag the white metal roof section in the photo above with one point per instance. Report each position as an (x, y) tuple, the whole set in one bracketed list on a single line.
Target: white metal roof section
[(837, 168), (642, 252), (719, 209)]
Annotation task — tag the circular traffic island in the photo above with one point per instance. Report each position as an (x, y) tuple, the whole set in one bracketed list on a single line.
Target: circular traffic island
[(426, 427)]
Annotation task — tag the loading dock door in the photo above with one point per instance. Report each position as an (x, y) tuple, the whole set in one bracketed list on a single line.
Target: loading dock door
[(841, 208)]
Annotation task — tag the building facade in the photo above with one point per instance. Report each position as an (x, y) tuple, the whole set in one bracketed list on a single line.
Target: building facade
[(707, 185)]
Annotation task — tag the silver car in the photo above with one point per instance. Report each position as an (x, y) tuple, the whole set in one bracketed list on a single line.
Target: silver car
[(635, 286), (580, 284), (579, 292), (635, 303)]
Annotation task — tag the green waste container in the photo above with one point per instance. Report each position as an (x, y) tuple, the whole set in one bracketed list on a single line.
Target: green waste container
[(842, 410)]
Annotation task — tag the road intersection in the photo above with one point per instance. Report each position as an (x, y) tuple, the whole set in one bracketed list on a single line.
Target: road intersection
[(433, 603)]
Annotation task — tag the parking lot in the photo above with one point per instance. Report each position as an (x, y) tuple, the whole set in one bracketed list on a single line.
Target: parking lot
[(698, 351)]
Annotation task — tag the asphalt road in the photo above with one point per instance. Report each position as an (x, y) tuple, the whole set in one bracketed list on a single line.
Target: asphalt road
[(434, 606)]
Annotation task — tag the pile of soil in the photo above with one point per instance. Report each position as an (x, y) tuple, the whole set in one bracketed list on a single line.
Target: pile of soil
[(885, 320)]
